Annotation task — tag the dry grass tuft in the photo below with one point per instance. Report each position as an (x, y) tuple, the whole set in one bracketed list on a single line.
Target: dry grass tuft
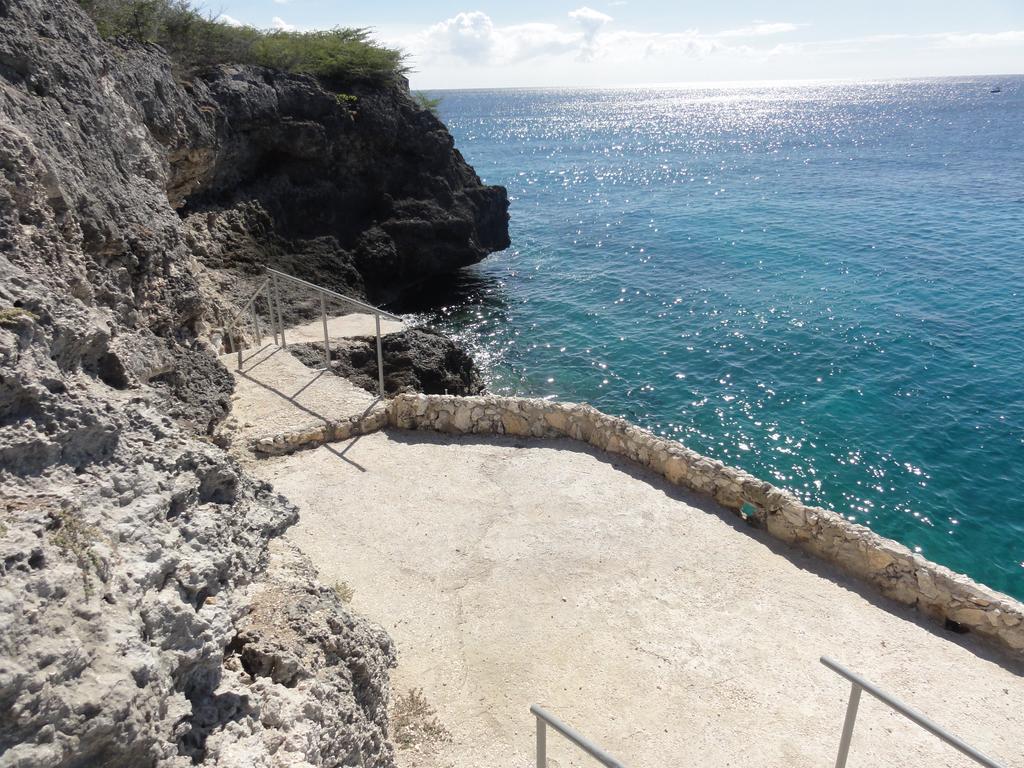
[(414, 721)]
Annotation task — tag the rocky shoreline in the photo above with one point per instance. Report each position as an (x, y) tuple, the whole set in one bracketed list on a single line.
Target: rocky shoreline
[(415, 360)]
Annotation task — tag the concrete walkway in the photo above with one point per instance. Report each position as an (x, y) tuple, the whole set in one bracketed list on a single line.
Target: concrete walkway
[(510, 572), (275, 393), (343, 326)]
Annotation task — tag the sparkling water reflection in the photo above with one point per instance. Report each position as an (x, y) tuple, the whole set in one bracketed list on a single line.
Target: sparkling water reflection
[(819, 284)]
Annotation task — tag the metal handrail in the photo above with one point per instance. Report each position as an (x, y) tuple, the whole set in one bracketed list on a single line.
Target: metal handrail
[(858, 684), (545, 718), (249, 306), (234, 319), (335, 294), (273, 289)]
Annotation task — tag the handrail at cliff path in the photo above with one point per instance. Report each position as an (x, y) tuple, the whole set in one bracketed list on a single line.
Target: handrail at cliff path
[(323, 293), (231, 324), (545, 718), (859, 684), (273, 289), (319, 289)]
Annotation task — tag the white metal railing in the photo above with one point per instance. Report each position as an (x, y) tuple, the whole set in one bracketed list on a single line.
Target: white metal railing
[(272, 286), (545, 718), (248, 312), (859, 684)]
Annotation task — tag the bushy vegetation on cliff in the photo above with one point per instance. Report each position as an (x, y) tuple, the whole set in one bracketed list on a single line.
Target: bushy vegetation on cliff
[(194, 40), (427, 102)]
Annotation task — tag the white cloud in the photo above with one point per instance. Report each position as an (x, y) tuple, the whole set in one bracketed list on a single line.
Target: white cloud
[(278, 23), (281, 2), (229, 20), (473, 37), (591, 22), (760, 29), (469, 36), (589, 46), (917, 42), (589, 18), (980, 39)]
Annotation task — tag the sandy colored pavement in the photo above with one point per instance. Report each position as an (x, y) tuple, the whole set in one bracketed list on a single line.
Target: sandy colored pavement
[(342, 326), (510, 572), (275, 393)]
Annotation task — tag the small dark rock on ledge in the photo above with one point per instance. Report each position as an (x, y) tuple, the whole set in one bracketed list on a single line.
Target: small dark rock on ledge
[(415, 360)]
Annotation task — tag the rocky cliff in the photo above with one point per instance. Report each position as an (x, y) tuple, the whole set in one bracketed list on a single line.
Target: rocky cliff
[(364, 194), (149, 613)]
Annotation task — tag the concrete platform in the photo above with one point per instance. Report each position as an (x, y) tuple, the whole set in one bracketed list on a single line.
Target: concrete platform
[(515, 571)]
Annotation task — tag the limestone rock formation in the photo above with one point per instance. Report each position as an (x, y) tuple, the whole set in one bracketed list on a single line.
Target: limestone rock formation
[(147, 616)]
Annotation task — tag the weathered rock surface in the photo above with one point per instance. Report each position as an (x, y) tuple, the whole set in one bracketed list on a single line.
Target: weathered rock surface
[(368, 200), (145, 616), (311, 676), (415, 360)]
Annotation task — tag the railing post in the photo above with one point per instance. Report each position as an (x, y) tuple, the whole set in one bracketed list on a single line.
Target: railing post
[(270, 310), (380, 360), (280, 314), (256, 323), (542, 743), (327, 340), (851, 718)]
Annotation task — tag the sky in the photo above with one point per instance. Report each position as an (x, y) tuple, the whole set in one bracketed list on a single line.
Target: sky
[(530, 43)]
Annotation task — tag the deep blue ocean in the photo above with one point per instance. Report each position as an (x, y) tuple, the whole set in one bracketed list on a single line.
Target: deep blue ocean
[(822, 284)]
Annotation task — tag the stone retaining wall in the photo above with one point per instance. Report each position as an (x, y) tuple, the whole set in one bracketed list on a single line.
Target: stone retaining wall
[(893, 569), (323, 432)]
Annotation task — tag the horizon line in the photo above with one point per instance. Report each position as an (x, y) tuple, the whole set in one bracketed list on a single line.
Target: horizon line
[(682, 85)]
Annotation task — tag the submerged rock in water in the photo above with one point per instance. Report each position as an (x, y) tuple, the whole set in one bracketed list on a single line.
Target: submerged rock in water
[(415, 360)]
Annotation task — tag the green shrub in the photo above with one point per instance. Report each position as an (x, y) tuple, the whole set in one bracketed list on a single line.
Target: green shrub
[(344, 592), (76, 538), (426, 102), (333, 53), (194, 41), (414, 721)]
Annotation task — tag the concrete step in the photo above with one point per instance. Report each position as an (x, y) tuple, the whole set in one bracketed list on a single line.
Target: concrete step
[(276, 394)]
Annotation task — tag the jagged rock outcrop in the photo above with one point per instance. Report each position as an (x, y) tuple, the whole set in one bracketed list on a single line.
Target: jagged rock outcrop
[(415, 360), (314, 674), (366, 196), (146, 616)]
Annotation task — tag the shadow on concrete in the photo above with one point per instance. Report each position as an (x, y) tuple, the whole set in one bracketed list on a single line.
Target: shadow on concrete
[(283, 396), (274, 350), (341, 454)]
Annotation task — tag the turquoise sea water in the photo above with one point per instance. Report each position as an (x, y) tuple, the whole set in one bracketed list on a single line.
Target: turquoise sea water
[(821, 284)]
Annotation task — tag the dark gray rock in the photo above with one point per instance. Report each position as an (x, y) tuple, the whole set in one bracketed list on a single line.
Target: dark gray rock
[(369, 200), (415, 360)]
